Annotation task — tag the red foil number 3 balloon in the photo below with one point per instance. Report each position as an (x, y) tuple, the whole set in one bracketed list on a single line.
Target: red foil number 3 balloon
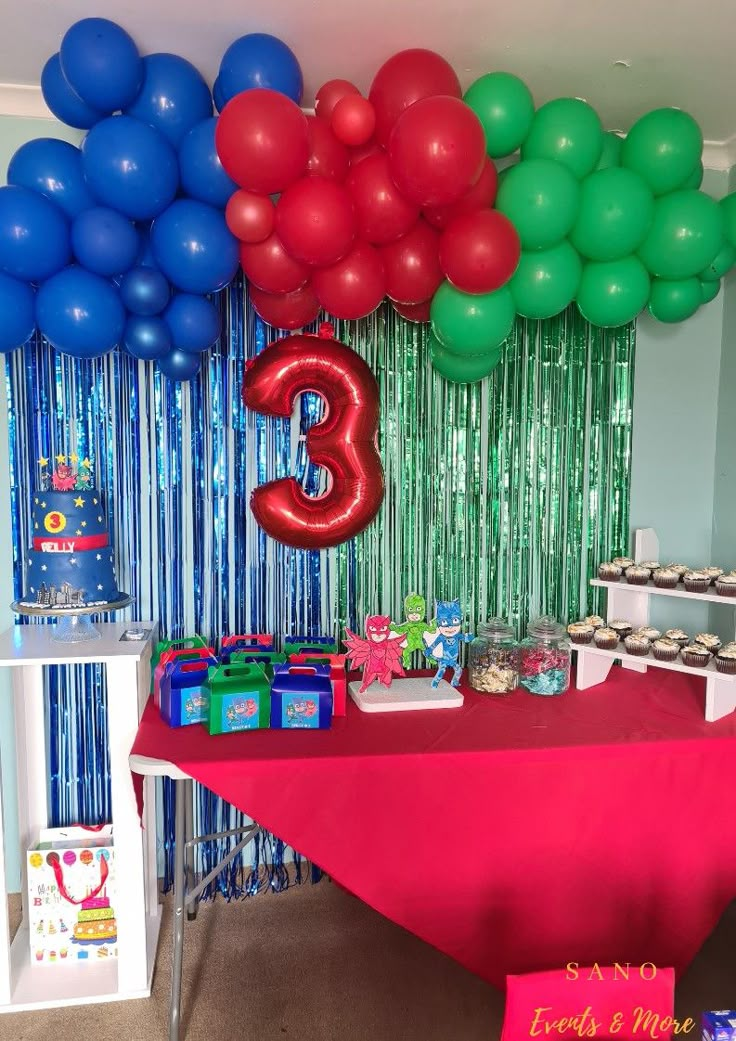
[(343, 442)]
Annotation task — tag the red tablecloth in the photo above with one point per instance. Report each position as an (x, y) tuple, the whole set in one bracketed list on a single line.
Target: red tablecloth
[(514, 834)]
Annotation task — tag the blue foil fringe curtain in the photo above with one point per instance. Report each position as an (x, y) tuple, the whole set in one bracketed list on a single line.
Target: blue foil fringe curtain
[(505, 493)]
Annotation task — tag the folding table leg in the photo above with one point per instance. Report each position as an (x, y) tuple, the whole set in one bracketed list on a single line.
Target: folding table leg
[(179, 895), (190, 851)]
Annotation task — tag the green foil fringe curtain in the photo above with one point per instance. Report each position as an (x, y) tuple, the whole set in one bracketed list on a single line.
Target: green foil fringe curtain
[(506, 493)]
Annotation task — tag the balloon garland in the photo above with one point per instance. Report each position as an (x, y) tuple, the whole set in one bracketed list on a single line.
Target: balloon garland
[(123, 242)]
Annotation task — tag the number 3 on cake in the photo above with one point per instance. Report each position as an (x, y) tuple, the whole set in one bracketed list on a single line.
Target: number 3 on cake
[(343, 442), (54, 521)]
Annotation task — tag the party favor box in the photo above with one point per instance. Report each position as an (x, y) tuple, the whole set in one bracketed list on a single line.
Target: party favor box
[(239, 698), (301, 697), (268, 660), (184, 696), (171, 654), (305, 644), (255, 642), (71, 897), (338, 675), (719, 1026)]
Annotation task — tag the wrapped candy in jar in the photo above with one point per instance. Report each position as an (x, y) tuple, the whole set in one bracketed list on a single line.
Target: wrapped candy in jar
[(493, 660), (545, 658)]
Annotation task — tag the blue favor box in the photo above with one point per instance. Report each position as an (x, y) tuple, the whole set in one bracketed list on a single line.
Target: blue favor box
[(719, 1026), (301, 697), (184, 697)]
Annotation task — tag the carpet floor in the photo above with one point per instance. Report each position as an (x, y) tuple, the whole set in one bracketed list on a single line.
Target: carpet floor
[(314, 963)]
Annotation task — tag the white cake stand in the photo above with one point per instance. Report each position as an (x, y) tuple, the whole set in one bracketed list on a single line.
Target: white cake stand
[(73, 624)]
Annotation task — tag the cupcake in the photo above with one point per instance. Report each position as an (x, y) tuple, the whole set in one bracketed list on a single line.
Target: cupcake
[(726, 585), (709, 640), (609, 572), (636, 575), (649, 631), (636, 644), (580, 632), (606, 638), (713, 573), (696, 581), (665, 649), (623, 562), (678, 635), (695, 655), (595, 620), (679, 569), (652, 565), (622, 628), (726, 660), (666, 578)]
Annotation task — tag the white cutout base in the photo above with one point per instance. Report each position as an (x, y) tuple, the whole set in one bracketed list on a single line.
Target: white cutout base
[(409, 695)]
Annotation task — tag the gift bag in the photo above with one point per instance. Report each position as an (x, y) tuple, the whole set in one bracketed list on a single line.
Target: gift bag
[(71, 890)]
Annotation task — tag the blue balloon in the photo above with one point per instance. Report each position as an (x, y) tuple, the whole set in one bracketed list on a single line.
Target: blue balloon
[(63, 101), (145, 254), (54, 169), (146, 338), (194, 322), (101, 64), (34, 235), (104, 242), (17, 313), (173, 96), (260, 60), (219, 98), (202, 174), (80, 313), (194, 247), (130, 167), (144, 291), (179, 366)]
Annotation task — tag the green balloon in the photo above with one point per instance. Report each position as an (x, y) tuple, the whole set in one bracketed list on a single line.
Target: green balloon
[(674, 301), (696, 177), (664, 147), (504, 105), (709, 290), (613, 292), (728, 209), (611, 154), (720, 265), (685, 236), (616, 209), (546, 281), (540, 198), (459, 369), (569, 131), (469, 323)]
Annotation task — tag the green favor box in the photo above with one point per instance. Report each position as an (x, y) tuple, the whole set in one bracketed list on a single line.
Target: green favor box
[(239, 697), (266, 660)]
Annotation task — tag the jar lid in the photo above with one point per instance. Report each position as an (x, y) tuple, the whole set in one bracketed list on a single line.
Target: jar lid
[(546, 628), (496, 629)]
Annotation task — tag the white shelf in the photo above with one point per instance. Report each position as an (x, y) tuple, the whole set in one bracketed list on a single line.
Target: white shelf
[(622, 586), (648, 659), (32, 645)]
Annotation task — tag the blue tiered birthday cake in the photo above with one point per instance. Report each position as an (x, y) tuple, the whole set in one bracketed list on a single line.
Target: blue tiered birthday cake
[(71, 563)]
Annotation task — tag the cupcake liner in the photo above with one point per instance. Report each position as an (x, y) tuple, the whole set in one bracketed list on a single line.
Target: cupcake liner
[(605, 576), (695, 661), (665, 655), (581, 638), (729, 590), (637, 652), (607, 645), (726, 666), (665, 583), (697, 585), (637, 580)]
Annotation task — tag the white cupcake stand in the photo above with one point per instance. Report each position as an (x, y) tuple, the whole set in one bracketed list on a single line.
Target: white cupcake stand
[(631, 603), (25, 650)]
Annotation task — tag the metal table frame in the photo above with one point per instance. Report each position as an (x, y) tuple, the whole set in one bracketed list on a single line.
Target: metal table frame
[(186, 888)]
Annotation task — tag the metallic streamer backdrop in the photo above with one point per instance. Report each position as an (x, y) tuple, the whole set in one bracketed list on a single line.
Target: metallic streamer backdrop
[(505, 493)]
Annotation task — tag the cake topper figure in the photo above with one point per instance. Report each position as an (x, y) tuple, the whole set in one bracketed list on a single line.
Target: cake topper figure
[(415, 613), (444, 645), (68, 475), (379, 654)]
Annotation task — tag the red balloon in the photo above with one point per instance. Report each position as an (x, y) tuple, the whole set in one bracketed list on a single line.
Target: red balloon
[(315, 220), (412, 265), (250, 217), (413, 312), (481, 196), (353, 120), (354, 286), (344, 442), (262, 141), (328, 157), (405, 78), (286, 310), (268, 266), (437, 151), (372, 147), (382, 213), (329, 94), (480, 251)]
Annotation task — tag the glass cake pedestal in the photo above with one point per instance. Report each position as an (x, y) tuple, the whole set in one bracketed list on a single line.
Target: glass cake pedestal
[(73, 624)]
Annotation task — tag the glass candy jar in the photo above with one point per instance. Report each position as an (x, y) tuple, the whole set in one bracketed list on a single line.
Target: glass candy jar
[(545, 658), (493, 661)]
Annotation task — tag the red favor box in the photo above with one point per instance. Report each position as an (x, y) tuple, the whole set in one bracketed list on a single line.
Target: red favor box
[(338, 675), (244, 642)]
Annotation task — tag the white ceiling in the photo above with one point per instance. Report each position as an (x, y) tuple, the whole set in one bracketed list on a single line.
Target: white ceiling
[(677, 52)]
